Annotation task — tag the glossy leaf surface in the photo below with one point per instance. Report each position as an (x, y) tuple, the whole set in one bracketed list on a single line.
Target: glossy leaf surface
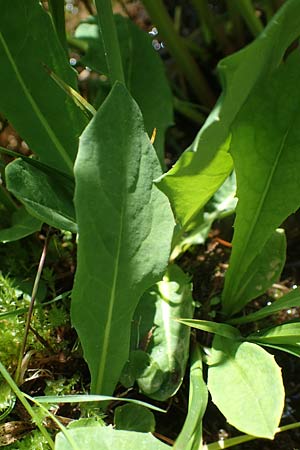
[(239, 74), (41, 112), (264, 146), (125, 227), (246, 385), (142, 67), (107, 438), (48, 196)]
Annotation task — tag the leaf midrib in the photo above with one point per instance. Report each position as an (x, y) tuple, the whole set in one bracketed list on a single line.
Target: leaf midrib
[(112, 300), (254, 223)]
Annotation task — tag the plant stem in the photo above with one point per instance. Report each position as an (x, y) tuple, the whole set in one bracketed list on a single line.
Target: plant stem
[(31, 306), (35, 417), (247, 11), (109, 35), (57, 10), (179, 51)]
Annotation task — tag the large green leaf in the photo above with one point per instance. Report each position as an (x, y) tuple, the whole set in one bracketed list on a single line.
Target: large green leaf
[(106, 438), (166, 341), (264, 146), (125, 227), (48, 196), (41, 112), (290, 300), (246, 385), (144, 72), (239, 73)]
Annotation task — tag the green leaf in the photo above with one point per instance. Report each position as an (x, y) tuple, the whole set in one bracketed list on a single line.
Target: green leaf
[(291, 349), (264, 270), (165, 340), (46, 196), (190, 437), (134, 418), (107, 438), (125, 228), (246, 385), (211, 174), (41, 112), (220, 329), (267, 163), (290, 300), (287, 333), (23, 224), (142, 67), (239, 74), (221, 205), (85, 398)]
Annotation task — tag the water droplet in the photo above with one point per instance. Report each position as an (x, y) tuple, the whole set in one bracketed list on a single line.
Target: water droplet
[(72, 61)]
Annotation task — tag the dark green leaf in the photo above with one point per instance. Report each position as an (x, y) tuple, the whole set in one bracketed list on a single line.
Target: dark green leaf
[(134, 418), (23, 224), (246, 385), (41, 112), (142, 67), (125, 227), (47, 196), (264, 147)]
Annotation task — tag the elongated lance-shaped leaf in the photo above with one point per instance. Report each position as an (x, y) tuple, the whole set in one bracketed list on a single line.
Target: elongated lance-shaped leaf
[(265, 143), (290, 300), (41, 112), (239, 74), (246, 385), (125, 226), (190, 437)]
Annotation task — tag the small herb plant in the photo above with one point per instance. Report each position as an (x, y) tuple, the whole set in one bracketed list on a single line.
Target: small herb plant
[(97, 171)]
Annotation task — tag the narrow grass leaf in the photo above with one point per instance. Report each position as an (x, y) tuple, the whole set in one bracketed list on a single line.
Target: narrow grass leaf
[(190, 437), (290, 300), (246, 385), (220, 329), (238, 73), (125, 227), (264, 147), (287, 333)]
